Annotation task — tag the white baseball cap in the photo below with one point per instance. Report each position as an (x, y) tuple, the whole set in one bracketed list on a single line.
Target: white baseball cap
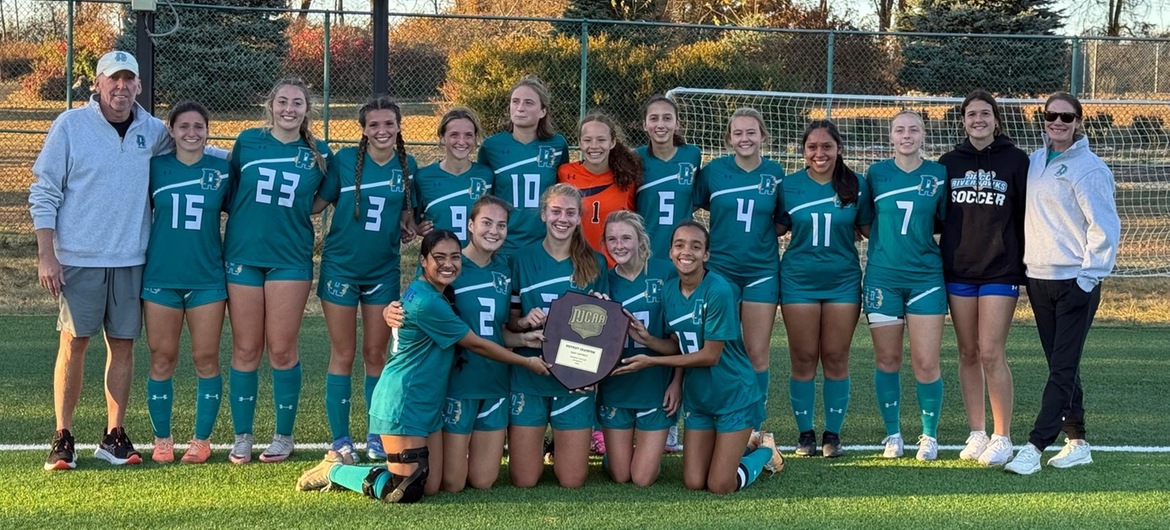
[(117, 61)]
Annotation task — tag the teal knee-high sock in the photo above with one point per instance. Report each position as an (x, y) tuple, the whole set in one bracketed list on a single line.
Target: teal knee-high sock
[(207, 400), (930, 397), (371, 384), (286, 394), (338, 394), (803, 395), (762, 381), (160, 404), (243, 386), (750, 467), (352, 477), (889, 393), (836, 403)]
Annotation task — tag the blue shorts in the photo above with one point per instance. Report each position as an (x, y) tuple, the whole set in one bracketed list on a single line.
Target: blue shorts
[(183, 298), (241, 274), (967, 290), (462, 416), (731, 422), (349, 294), (652, 419), (563, 413)]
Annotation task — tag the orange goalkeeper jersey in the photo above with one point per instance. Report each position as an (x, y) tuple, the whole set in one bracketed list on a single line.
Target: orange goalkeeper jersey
[(601, 196)]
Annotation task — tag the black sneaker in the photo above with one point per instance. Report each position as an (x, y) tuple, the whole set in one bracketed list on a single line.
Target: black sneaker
[(117, 449), (830, 444), (62, 456), (807, 444)]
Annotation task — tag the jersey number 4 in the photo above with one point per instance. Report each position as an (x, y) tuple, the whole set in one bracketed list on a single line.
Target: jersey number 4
[(286, 192)]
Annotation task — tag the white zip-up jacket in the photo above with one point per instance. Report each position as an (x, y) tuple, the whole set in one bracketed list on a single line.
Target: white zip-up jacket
[(92, 187), (1071, 227)]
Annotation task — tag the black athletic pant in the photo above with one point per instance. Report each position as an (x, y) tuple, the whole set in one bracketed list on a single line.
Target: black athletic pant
[(1063, 313)]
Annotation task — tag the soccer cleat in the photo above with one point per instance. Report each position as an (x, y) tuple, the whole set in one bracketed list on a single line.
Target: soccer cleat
[(374, 449), (198, 451), (998, 451), (806, 445), (754, 440), (1026, 462), (279, 450), (1074, 453), (597, 446), (241, 452), (344, 448), (672, 443), (830, 444), (976, 444), (927, 448), (317, 477), (62, 454), (164, 450), (768, 441), (893, 445), (117, 449)]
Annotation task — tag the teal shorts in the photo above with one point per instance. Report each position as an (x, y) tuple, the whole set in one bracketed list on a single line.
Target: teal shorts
[(891, 303), (406, 424), (564, 413), (462, 416), (183, 298), (249, 275), (731, 422), (349, 294), (758, 289), (848, 292), (654, 419)]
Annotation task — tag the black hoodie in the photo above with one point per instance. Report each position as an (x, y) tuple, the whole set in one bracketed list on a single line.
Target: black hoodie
[(983, 234)]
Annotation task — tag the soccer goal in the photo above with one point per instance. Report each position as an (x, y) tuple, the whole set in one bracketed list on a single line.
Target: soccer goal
[(1130, 135)]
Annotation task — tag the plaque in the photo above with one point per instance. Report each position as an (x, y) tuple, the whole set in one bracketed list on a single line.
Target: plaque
[(584, 336)]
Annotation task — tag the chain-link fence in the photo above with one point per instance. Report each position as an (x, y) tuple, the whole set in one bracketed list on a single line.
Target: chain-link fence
[(228, 55)]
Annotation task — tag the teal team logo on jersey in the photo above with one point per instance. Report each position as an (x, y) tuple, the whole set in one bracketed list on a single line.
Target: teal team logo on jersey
[(210, 179), (397, 182), (928, 186), (304, 158), (697, 312), (873, 298), (608, 413), (454, 411), (653, 290), (501, 282), (767, 185), (336, 288), (141, 141), (477, 189), (686, 173), (1061, 170), (517, 403), (233, 269), (546, 157)]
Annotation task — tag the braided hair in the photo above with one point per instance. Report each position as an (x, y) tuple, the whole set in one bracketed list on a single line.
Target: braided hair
[(379, 103)]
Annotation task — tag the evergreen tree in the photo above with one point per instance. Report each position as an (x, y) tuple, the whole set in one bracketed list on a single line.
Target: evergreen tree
[(227, 59), (1005, 66)]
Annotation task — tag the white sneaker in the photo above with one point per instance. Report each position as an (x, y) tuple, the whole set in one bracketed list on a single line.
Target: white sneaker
[(927, 448), (1026, 462), (279, 450), (241, 452), (1074, 453), (893, 445), (672, 443), (976, 444), (997, 452)]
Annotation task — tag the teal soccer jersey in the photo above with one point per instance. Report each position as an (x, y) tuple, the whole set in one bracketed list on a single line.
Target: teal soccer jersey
[(902, 248), (666, 196), (537, 280), (186, 251), (274, 185), (446, 199), (711, 313), (413, 385), (363, 249), (642, 297), (482, 297), (521, 173), (821, 261), (745, 207)]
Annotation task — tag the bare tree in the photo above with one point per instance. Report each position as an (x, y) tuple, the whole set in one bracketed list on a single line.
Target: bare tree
[(887, 10)]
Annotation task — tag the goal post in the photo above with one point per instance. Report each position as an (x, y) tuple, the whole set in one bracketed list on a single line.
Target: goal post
[(1131, 136)]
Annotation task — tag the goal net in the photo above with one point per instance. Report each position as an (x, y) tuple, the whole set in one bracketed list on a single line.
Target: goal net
[(1130, 136)]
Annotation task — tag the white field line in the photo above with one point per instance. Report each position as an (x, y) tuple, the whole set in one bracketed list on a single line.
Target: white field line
[(786, 448)]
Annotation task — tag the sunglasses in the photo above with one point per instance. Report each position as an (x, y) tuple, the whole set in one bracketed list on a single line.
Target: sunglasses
[(1066, 117)]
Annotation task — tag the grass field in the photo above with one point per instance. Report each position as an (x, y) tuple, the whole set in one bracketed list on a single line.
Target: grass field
[(1125, 373)]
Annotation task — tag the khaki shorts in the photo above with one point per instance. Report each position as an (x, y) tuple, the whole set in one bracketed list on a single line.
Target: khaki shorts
[(96, 297)]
